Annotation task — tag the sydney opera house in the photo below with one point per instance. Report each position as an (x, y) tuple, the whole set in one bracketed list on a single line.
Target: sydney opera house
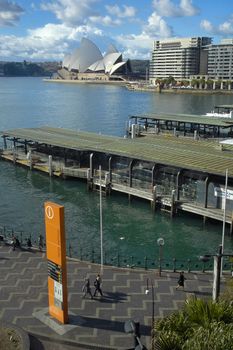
[(88, 63)]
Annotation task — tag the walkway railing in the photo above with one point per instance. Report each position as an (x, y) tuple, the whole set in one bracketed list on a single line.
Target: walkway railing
[(118, 259)]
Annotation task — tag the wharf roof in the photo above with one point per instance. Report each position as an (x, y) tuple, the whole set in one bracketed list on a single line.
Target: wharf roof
[(205, 156), (224, 106), (187, 118)]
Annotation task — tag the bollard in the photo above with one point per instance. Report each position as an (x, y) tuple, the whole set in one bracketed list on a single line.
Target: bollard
[(145, 265)]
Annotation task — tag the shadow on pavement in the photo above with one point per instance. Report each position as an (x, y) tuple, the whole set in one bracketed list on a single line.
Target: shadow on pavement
[(35, 343), (116, 326), (110, 298), (202, 293)]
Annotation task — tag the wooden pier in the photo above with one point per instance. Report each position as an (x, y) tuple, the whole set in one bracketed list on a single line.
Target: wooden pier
[(192, 125), (173, 174)]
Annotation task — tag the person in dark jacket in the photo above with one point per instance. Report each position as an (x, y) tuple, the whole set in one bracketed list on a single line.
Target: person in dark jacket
[(87, 288), (97, 285), (181, 281), (29, 243)]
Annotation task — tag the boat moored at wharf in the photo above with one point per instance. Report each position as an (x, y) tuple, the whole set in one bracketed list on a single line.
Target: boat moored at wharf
[(221, 111), (172, 173)]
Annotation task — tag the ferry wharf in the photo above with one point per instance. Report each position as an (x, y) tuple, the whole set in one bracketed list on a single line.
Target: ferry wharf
[(93, 323), (172, 173)]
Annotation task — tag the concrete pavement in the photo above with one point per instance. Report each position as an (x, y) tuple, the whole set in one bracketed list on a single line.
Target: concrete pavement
[(93, 324)]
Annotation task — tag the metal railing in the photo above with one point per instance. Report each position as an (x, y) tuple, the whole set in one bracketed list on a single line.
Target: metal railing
[(118, 259)]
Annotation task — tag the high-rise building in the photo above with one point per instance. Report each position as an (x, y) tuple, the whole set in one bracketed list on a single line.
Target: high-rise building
[(179, 58), (220, 60)]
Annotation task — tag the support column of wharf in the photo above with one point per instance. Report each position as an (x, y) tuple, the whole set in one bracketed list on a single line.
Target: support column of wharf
[(90, 185), (130, 177), (136, 181), (155, 170), (207, 181)]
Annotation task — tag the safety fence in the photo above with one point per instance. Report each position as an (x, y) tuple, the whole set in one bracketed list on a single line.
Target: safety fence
[(116, 258)]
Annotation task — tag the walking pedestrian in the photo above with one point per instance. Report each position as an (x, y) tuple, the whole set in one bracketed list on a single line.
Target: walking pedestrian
[(13, 242), (181, 281), (87, 288), (40, 242), (29, 242), (97, 285)]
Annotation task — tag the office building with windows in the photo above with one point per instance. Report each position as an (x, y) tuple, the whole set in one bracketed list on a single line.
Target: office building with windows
[(179, 58), (220, 60)]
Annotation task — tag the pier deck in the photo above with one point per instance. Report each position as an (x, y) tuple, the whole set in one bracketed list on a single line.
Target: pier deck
[(171, 173), (198, 126), (183, 153)]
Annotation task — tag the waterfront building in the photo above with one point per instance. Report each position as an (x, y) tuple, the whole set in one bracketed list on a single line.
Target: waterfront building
[(172, 173), (178, 58), (220, 60), (88, 63)]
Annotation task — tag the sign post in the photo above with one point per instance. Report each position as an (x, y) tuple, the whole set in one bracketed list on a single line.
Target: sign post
[(56, 255)]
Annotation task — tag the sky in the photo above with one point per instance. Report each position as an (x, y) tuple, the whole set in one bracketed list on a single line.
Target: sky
[(47, 30)]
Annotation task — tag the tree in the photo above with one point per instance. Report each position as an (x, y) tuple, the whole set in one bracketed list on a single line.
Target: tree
[(194, 82), (171, 80), (199, 325), (209, 83)]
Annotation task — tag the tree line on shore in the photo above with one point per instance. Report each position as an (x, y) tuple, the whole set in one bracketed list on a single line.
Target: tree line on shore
[(27, 69)]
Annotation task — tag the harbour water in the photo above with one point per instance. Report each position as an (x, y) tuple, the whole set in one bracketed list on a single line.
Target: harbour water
[(130, 228)]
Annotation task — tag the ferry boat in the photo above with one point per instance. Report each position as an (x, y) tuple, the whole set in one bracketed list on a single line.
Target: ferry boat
[(221, 111)]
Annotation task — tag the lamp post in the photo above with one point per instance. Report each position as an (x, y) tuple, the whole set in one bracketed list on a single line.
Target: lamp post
[(217, 270), (101, 224), (224, 218), (147, 291), (160, 242)]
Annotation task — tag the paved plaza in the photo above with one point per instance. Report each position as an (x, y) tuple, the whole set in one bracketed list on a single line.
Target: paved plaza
[(93, 323)]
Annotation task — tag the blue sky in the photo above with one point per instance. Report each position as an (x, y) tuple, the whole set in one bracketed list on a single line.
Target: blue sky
[(49, 29)]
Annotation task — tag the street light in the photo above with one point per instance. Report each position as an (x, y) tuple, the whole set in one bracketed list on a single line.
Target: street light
[(160, 242), (147, 291), (218, 257)]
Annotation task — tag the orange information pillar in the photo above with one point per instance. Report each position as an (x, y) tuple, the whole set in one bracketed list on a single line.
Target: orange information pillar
[(56, 255)]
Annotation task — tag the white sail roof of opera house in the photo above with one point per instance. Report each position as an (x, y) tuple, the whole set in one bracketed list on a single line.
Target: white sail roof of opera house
[(88, 58)]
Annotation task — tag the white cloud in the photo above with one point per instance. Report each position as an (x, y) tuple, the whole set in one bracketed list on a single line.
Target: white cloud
[(207, 26), (136, 54), (105, 20), (156, 28), (79, 18), (71, 12), (127, 11), (225, 28), (50, 42), (167, 8), (10, 13)]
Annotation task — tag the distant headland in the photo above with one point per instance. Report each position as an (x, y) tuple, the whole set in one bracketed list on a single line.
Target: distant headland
[(28, 69)]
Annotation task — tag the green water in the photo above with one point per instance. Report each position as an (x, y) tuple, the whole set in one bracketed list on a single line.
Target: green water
[(129, 228)]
